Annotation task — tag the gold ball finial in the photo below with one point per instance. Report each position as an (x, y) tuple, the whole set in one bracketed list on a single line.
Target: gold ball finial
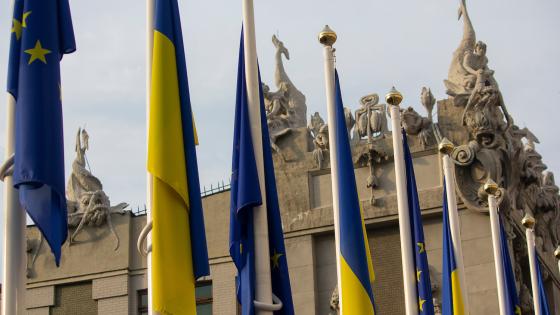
[(557, 253), (528, 221), (394, 97), (327, 36), (446, 146), (490, 187)]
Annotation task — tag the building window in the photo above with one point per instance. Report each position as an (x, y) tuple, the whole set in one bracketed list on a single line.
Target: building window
[(204, 298), (143, 302), (203, 293)]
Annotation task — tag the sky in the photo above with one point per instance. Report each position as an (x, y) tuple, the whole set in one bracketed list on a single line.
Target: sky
[(405, 43)]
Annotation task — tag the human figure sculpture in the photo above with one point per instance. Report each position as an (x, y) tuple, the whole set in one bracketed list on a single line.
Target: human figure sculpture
[(320, 133)]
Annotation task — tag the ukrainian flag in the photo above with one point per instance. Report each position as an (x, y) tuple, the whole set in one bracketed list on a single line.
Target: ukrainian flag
[(356, 269), (179, 254), (452, 298)]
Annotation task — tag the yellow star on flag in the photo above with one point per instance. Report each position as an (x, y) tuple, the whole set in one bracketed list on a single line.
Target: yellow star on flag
[(24, 18), (421, 248), (276, 259), (17, 28), (418, 273), (421, 304), (517, 310), (38, 52)]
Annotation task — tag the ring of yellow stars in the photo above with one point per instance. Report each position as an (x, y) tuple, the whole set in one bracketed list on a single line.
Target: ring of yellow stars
[(418, 273), (38, 53), (276, 259), (421, 248), (421, 304)]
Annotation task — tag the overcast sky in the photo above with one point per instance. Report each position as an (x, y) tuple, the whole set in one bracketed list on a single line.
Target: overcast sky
[(406, 43)]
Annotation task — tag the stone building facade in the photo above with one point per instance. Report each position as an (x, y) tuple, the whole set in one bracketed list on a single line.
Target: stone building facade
[(102, 272)]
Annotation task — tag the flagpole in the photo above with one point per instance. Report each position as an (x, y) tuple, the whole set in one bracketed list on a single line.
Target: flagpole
[(394, 99), (328, 37), (529, 224), (149, 55), (14, 273), (493, 191), (263, 282), (446, 148)]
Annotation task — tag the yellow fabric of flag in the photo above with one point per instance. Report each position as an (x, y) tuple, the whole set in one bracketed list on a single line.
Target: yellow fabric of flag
[(173, 281)]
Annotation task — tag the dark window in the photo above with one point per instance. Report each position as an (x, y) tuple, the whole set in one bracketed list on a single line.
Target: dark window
[(204, 298), (203, 293), (143, 302)]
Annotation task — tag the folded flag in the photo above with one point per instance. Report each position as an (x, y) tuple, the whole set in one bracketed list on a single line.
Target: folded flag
[(423, 284), (451, 294), (355, 262), (513, 307), (41, 34), (246, 196), (179, 254), (543, 301)]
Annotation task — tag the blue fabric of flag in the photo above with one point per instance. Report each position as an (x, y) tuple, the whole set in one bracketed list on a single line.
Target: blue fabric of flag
[(423, 284), (245, 196), (513, 307), (543, 301), (449, 264), (41, 34), (171, 28), (352, 243)]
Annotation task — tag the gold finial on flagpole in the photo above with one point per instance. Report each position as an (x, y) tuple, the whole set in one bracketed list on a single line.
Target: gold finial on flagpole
[(394, 97), (327, 36)]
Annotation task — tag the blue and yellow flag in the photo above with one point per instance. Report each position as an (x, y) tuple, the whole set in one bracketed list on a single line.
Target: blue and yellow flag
[(451, 294), (355, 259), (41, 34), (543, 301), (245, 197), (179, 254), (423, 284), (513, 307)]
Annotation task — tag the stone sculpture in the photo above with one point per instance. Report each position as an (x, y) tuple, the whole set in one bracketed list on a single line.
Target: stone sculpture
[(335, 302), (285, 108), (87, 202), (498, 149), (320, 134), (371, 118)]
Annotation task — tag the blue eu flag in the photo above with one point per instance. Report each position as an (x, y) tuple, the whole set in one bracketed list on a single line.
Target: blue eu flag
[(245, 196), (423, 284), (513, 307), (41, 34)]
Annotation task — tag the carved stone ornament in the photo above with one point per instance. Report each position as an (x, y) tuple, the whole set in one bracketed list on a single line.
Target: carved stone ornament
[(498, 149), (285, 107), (87, 202)]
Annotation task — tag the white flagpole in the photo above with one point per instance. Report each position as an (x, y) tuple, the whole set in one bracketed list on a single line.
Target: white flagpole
[(14, 272), (149, 55), (446, 147), (327, 37), (493, 191), (394, 98), (529, 223), (263, 283)]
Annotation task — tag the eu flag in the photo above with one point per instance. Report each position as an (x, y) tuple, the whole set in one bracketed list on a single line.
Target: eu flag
[(451, 294), (423, 284), (543, 301), (513, 307), (245, 196), (356, 269), (41, 34)]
